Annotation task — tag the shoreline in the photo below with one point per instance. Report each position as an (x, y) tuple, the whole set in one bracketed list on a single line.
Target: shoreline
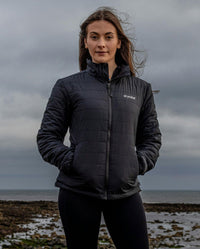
[(155, 206), (37, 223)]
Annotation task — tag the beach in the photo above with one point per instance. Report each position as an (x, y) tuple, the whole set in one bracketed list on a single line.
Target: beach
[(36, 224)]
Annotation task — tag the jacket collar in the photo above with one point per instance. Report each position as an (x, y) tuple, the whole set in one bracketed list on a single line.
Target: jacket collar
[(100, 71)]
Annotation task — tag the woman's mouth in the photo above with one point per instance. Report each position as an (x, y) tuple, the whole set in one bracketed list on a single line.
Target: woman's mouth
[(101, 52)]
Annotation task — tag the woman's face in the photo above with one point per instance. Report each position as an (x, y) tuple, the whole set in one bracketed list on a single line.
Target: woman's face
[(102, 42)]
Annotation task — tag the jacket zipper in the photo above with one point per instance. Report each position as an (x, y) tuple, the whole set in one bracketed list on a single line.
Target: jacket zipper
[(108, 137)]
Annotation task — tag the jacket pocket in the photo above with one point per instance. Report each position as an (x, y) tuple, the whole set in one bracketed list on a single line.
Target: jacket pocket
[(68, 161), (133, 170), (136, 164)]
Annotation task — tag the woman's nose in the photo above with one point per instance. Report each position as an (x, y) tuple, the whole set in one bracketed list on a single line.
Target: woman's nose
[(101, 43)]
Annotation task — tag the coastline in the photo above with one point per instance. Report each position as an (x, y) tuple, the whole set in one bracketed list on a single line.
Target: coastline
[(38, 224), (148, 196)]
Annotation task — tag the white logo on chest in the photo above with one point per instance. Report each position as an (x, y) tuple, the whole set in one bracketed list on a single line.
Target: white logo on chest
[(128, 96)]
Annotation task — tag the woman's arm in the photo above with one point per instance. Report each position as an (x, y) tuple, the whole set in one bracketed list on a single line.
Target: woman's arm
[(148, 139), (53, 128)]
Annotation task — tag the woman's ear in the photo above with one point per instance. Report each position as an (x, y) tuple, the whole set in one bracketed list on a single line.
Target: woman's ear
[(119, 44), (85, 42)]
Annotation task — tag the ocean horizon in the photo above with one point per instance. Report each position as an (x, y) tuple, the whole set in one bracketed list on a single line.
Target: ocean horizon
[(148, 196)]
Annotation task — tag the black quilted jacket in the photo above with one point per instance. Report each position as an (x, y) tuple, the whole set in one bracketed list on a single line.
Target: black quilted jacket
[(114, 132)]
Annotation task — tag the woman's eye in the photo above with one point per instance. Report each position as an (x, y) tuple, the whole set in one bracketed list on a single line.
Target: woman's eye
[(94, 37), (109, 37)]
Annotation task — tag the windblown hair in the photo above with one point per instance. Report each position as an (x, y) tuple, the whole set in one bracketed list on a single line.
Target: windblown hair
[(124, 55)]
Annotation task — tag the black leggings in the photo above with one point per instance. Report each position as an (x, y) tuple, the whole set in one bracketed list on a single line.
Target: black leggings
[(81, 218)]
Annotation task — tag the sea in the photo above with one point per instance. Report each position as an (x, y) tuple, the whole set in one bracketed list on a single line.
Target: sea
[(148, 196)]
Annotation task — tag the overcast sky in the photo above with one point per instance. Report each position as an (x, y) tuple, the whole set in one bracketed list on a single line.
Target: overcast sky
[(39, 44)]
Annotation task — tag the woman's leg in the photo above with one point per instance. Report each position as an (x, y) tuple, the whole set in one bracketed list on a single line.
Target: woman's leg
[(126, 222), (81, 216)]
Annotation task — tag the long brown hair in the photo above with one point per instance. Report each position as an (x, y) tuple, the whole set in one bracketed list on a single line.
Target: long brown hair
[(124, 55)]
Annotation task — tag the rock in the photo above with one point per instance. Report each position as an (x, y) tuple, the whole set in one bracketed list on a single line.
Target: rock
[(196, 226), (175, 227), (178, 234)]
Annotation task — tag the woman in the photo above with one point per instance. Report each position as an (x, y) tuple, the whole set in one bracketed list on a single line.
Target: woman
[(114, 137)]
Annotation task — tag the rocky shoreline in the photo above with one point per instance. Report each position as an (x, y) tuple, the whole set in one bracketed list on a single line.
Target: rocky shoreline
[(36, 224)]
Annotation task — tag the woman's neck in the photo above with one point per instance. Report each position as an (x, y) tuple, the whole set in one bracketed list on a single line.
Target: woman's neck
[(111, 69)]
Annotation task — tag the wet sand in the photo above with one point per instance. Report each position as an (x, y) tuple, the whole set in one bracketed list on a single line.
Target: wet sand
[(36, 224)]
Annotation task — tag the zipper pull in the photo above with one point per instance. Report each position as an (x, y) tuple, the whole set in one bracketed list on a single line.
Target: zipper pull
[(109, 89)]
